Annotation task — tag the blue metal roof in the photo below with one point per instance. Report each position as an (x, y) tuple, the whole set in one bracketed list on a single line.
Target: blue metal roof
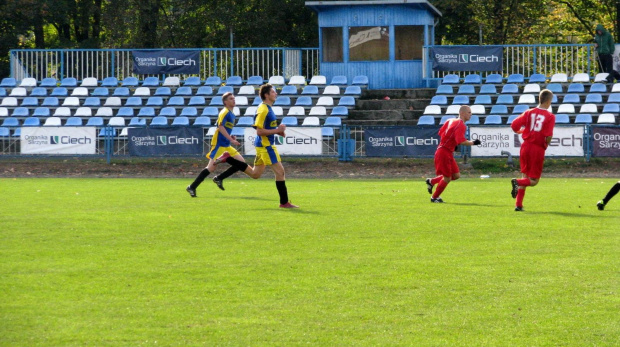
[(316, 5)]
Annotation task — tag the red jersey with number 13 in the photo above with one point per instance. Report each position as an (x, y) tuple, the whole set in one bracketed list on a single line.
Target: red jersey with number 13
[(538, 123)]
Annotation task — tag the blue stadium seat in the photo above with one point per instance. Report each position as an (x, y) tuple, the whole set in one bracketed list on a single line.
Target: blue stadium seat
[(474, 120), (562, 118), (518, 109), (245, 122), (213, 81), (576, 88), (225, 89), (189, 112), (327, 132), (511, 118), (515, 78), (133, 101), (49, 82), (21, 112), (594, 98), (183, 91), (555, 87), (353, 90), (611, 108), (339, 80), (445, 89), (347, 101), (168, 112), (488, 89), (130, 82), (332, 121), (571, 99), (121, 92), (150, 82), (466, 89), (41, 112), (254, 81), (583, 118), (163, 91), (94, 122), (598, 88), (290, 121), (100, 92), (192, 81), (504, 100), (450, 79), (282, 101), (340, 111), (137, 122), (125, 112), (426, 120), (494, 78), (510, 89), (5, 132), (289, 90), (74, 122), (176, 101), (537, 78), (159, 121), (202, 121), (473, 79), (180, 121), (2, 92), (109, 82), (38, 92), (257, 101), (460, 100), (238, 132), (204, 91), (50, 101), (30, 102), (107, 131), (234, 81), (303, 101), (92, 101), (483, 100), (146, 112), (499, 109), (10, 122), (210, 112), (216, 101), (59, 91), (493, 120), (360, 80), (439, 100), (445, 119), (68, 82), (613, 98), (310, 90)]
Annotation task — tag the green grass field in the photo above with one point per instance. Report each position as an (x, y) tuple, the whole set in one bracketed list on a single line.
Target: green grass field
[(95, 262)]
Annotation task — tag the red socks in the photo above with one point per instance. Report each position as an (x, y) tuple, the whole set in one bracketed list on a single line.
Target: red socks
[(520, 195), (440, 187), (436, 180), (524, 182)]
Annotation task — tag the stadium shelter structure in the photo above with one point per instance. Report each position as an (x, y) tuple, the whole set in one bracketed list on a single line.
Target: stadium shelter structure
[(383, 40)]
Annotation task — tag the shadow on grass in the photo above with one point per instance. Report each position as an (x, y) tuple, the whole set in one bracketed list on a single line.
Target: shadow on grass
[(569, 214), (472, 204)]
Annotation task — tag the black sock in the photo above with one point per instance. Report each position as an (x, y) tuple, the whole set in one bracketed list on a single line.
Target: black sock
[(231, 170), (281, 185), (612, 192), (201, 177), (241, 166)]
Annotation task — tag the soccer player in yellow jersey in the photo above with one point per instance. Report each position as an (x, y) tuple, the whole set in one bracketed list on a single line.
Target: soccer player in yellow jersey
[(221, 143), (266, 125)]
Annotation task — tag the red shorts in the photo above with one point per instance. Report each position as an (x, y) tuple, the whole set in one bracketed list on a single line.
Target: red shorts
[(532, 159), (445, 164)]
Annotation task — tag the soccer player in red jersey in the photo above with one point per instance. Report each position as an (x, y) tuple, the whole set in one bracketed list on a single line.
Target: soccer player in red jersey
[(536, 127), (452, 134)]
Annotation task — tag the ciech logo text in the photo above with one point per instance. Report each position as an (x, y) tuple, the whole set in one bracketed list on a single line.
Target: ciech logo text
[(294, 140), (163, 61), (475, 58), (68, 140), (414, 141), (176, 140)]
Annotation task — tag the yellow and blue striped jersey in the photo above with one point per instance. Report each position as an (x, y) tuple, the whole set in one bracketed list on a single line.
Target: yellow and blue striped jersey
[(265, 119), (227, 119)]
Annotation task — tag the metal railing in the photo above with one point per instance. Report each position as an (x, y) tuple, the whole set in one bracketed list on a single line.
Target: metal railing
[(102, 63)]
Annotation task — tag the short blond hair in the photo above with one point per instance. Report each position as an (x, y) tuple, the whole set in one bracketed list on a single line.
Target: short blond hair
[(545, 96)]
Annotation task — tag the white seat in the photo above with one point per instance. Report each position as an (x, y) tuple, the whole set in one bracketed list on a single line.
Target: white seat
[(531, 88), (453, 109), (142, 91), (527, 99), (241, 100), (297, 80), (113, 101), (80, 91), (237, 111), (52, 122), (559, 78), (311, 122), (296, 111), (71, 101), (432, 109), (615, 88), (566, 108), (9, 101), (276, 80), (318, 80), (600, 77), (318, 111), (246, 90), (104, 112), (63, 112), (83, 112), (116, 122), (331, 90), (250, 111), (278, 111), (28, 82), (171, 82), (581, 78), (89, 82), (4, 112), (478, 109), (606, 118), (19, 92), (211, 131), (588, 108), (124, 132), (325, 101)]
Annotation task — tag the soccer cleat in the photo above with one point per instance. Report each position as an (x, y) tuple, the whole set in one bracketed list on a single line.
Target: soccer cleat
[(192, 192), (219, 182), (519, 209), (288, 205), (429, 186), (600, 205), (437, 201), (222, 158), (515, 188)]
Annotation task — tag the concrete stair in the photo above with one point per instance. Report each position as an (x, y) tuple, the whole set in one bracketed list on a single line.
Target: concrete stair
[(404, 107)]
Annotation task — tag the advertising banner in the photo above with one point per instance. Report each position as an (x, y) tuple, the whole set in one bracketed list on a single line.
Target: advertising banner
[(567, 141), (478, 58), (605, 142), (149, 62), (298, 141), (58, 140), (145, 142), (406, 141)]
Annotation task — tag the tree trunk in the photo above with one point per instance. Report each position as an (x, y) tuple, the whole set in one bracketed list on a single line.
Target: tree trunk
[(148, 20)]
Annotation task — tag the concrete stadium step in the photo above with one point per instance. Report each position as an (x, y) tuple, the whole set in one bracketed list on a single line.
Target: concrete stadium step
[(419, 93), (393, 104), (383, 115)]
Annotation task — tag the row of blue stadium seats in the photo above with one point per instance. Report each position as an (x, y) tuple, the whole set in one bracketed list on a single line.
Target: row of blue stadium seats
[(497, 119), (556, 88), (518, 109), (520, 79), (504, 99), (175, 101), (237, 81), (22, 112), (182, 91)]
